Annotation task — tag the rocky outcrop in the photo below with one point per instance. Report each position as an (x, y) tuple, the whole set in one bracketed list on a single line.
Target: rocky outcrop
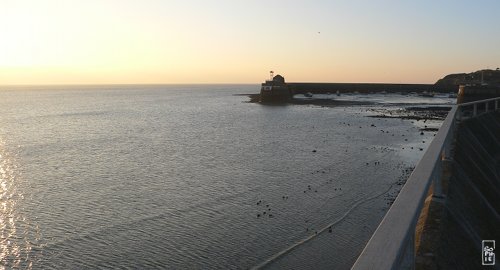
[(488, 76)]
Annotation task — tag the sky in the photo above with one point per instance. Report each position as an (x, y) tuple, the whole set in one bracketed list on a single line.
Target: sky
[(218, 41)]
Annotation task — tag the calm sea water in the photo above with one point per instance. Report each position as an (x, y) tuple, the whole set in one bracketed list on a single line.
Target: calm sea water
[(191, 177)]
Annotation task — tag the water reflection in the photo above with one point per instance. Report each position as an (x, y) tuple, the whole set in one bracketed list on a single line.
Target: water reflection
[(16, 237)]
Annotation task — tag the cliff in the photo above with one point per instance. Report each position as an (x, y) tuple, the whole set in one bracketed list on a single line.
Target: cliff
[(488, 76)]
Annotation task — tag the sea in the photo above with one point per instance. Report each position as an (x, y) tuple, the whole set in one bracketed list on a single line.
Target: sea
[(196, 177)]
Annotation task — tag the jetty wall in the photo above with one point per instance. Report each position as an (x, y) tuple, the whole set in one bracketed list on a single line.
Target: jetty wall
[(304, 87)]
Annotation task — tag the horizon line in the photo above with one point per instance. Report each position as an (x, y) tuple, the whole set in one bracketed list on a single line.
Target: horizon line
[(99, 84), (218, 83)]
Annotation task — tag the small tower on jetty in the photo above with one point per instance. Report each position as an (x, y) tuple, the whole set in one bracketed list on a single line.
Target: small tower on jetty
[(275, 90)]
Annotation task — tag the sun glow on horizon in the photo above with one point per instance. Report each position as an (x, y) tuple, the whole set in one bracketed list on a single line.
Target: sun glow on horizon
[(110, 41)]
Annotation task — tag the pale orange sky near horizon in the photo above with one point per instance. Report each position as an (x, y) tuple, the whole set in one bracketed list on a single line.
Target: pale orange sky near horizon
[(153, 41)]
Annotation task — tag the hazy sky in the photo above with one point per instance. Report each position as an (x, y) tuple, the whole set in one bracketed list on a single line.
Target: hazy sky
[(189, 41)]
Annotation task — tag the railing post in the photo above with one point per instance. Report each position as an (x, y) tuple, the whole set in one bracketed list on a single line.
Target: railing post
[(447, 152), (486, 106), (436, 179), (474, 110), (408, 258), (448, 142), (411, 251), (496, 104)]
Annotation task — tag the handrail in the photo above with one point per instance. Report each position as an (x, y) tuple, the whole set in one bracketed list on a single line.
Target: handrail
[(392, 246), (478, 101), (475, 104)]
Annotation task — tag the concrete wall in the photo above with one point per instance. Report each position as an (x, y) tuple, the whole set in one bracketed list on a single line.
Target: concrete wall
[(300, 88), (469, 93)]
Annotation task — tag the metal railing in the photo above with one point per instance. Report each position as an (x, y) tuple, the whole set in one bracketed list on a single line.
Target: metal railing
[(392, 246)]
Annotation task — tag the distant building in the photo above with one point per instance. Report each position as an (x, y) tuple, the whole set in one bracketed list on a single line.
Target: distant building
[(275, 90)]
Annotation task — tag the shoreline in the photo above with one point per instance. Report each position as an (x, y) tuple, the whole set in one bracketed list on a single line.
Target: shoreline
[(407, 111)]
